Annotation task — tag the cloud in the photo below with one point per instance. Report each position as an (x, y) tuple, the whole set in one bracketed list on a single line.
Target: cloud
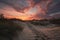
[(54, 6), (18, 5), (37, 8), (37, 1)]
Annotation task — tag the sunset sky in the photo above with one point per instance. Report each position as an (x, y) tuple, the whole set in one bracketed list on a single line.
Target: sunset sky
[(30, 9)]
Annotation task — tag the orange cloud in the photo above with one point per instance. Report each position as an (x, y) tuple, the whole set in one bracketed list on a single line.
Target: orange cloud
[(28, 13)]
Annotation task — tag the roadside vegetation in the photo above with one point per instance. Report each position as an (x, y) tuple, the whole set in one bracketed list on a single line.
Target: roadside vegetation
[(8, 28)]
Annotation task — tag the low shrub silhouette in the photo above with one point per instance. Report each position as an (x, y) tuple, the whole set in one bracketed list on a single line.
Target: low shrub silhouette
[(55, 21)]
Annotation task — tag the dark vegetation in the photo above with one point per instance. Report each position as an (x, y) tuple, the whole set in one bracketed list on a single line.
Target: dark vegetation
[(40, 22), (8, 28), (46, 22), (55, 21)]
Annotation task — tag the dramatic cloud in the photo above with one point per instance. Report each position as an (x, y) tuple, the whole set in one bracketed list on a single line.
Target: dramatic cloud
[(54, 6), (29, 9)]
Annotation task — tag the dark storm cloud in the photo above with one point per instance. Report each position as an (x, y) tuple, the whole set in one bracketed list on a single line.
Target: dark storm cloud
[(8, 2), (18, 5), (37, 1), (54, 7)]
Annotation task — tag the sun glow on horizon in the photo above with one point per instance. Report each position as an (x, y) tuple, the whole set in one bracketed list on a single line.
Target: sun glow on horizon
[(28, 14), (29, 11)]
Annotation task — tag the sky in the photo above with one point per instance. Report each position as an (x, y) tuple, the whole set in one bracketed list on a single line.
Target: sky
[(30, 9)]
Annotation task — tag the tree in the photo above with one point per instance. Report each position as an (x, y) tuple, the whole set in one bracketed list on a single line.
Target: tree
[(1, 16)]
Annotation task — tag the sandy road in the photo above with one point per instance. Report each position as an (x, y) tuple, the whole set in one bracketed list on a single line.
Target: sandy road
[(45, 33), (32, 32)]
